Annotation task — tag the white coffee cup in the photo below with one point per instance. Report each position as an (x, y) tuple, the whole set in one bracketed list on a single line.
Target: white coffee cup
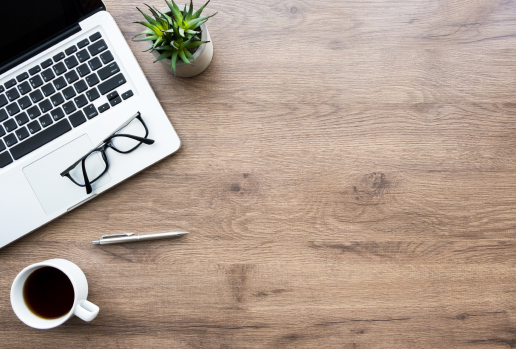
[(84, 309)]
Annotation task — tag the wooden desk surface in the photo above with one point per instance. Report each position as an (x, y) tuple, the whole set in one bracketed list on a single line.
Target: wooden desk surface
[(347, 175)]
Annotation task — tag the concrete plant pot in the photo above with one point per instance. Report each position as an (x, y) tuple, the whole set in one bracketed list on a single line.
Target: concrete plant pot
[(203, 55)]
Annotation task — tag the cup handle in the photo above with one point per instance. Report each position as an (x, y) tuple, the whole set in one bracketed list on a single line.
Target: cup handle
[(86, 310)]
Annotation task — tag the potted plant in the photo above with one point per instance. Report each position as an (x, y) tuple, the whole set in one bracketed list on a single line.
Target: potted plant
[(178, 38)]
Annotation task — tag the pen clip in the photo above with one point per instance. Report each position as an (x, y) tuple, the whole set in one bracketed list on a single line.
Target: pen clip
[(116, 235)]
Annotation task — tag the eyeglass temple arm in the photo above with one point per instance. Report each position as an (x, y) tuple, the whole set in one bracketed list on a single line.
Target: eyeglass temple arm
[(104, 141), (86, 179), (65, 172), (141, 139)]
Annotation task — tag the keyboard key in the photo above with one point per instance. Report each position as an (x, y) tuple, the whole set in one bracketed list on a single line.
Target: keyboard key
[(22, 133), (48, 89), (21, 119), (59, 68), (40, 139), (90, 111), (2, 145), (69, 108), (127, 94), (59, 83), (71, 62), (2, 132), (58, 57), (22, 76), (71, 76), (57, 99), (33, 112), (109, 70), (80, 101), (92, 79), (46, 63), (36, 96), (34, 70), (24, 88), (10, 125), (10, 140), (95, 37), (104, 107), (12, 94), (69, 92), (83, 70), (71, 50), (106, 57), (45, 106), (3, 115), (48, 75), (12, 109), (115, 101), (112, 95), (111, 84), (36, 81), (34, 126), (97, 47), (10, 83), (1, 89), (5, 159), (83, 43), (81, 86), (3, 100), (25, 102), (94, 63), (45, 120), (57, 114), (83, 55), (77, 118), (92, 94)]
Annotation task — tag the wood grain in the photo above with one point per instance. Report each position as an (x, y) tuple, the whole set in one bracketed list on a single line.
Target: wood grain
[(348, 176)]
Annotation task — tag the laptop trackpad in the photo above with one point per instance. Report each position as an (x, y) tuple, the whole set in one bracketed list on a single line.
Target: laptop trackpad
[(55, 192)]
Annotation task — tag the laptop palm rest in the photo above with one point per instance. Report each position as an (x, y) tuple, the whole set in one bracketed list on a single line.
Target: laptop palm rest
[(55, 192)]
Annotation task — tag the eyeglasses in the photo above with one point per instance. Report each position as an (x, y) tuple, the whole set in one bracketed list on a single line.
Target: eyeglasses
[(95, 163)]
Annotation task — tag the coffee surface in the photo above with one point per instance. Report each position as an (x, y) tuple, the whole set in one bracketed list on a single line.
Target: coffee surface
[(48, 293)]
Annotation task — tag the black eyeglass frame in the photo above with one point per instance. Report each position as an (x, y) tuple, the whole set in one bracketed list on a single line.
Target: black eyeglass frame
[(107, 143)]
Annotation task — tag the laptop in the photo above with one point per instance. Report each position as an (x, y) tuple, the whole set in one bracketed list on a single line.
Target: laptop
[(68, 79)]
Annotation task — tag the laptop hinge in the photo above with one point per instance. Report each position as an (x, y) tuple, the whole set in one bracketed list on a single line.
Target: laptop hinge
[(40, 48)]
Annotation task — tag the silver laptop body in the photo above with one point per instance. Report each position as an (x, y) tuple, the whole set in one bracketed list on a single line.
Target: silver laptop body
[(43, 138)]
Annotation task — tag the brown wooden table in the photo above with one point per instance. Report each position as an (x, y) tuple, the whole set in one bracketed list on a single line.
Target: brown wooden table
[(347, 175)]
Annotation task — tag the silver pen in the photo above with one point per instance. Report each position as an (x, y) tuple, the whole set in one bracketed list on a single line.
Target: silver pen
[(130, 237)]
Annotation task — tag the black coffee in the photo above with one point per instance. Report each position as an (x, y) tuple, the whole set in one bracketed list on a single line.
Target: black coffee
[(48, 293)]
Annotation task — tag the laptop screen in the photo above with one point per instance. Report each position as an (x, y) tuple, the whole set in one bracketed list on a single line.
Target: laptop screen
[(27, 23)]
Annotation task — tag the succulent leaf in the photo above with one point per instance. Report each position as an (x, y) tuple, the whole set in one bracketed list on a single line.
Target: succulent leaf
[(183, 57), (147, 17), (175, 11), (196, 44), (174, 61), (199, 11), (190, 10), (164, 55), (152, 27), (147, 38)]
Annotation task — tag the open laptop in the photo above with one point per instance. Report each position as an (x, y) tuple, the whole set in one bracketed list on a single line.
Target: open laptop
[(67, 80)]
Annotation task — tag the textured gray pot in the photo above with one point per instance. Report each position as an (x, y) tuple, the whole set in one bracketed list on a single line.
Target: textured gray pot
[(203, 55)]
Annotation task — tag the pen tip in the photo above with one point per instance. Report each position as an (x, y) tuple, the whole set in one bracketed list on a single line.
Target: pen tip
[(95, 242)]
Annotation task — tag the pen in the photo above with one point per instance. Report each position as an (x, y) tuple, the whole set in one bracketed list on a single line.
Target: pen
[(130, 237)]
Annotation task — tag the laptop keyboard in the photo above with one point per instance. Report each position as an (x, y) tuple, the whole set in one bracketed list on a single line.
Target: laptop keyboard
[(50, 99)]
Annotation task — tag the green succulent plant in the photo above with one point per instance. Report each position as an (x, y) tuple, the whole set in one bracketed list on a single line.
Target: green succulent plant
[(175, 36)]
